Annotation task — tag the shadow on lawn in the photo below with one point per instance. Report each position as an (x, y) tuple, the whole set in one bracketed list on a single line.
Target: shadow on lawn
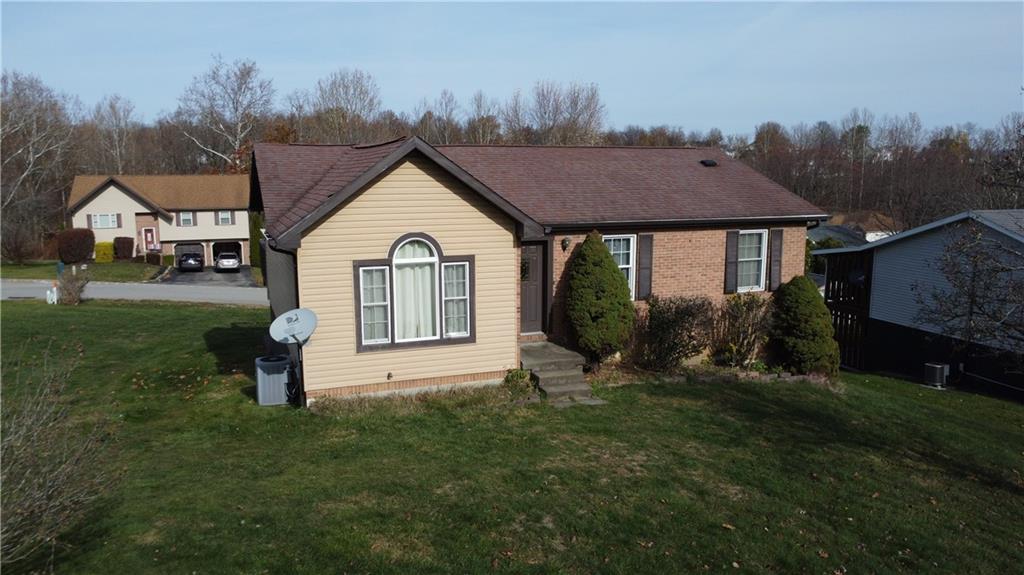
[(795, 427), (236, 347)]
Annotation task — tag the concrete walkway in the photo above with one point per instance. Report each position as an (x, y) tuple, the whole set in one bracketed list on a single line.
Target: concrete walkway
[(36, 289)]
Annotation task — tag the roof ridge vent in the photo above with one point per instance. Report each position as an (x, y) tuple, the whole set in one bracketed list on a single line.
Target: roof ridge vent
[(708, 163)]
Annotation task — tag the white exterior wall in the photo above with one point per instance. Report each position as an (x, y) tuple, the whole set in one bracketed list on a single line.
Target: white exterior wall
[(206, 228), (110, 201)]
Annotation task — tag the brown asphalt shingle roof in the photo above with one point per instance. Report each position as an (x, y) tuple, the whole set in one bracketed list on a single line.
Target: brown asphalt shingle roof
[(552, 185), (205, 192)]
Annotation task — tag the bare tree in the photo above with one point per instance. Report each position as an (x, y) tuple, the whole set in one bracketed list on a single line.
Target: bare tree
[(52, 466), (222, 108), (345, 103), (515, 118), (114, 117), (482, 124), (981, 298)]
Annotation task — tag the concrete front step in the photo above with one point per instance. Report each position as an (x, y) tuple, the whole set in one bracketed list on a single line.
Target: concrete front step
[(560, 377), (579, 390), (546, 356)]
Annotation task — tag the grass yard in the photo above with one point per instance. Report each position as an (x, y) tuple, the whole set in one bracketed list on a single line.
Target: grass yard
[(667, 478), (112, 272)]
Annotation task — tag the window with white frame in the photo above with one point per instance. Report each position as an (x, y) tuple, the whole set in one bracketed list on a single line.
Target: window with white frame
[(455, 296), (750, 261), (224, 218), (623, 250), (186, 219), (415, 274), (376, 318), (101, 221), (417, 296)]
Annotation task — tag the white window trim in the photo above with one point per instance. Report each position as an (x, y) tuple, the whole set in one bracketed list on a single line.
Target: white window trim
[(96, 220), (445, 299), (363, 305), (395, 262), (763, 258), (191, 219), (632, 260), (221, 222)]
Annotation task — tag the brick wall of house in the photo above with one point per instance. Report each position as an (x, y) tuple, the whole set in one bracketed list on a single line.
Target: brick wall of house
[(685, 263)]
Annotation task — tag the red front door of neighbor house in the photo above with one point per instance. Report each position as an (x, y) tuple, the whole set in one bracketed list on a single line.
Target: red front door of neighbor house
[(149, 239)]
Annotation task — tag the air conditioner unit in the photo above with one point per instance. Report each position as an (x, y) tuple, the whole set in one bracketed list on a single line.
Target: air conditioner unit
[(272, 379), (935, 374)]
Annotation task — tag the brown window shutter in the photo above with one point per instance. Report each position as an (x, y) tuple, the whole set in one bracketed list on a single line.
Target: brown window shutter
[(88, 221), (644, 267), (216, 218), (732, 249), (232, 212), (118, 220), (177, 219), (775, 259)]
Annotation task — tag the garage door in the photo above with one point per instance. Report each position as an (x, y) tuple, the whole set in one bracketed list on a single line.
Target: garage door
[(188, 248), (233, 247)]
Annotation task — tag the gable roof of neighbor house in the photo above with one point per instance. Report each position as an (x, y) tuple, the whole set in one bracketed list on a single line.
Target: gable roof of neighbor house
[(1006, 222), (163, 194), (549, 185)]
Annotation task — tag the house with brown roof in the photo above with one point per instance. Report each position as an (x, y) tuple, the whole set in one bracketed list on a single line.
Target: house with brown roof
[(206, 214), (429, 266)]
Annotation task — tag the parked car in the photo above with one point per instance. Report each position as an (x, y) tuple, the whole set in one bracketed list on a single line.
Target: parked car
[(190, 261), (227, 261)]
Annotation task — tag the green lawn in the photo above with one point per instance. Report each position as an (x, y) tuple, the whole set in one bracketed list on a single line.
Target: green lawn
[(882, 477), (112, 272)]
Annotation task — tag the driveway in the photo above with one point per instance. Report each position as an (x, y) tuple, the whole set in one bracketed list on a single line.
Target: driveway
[(204, 293), (208, 277)]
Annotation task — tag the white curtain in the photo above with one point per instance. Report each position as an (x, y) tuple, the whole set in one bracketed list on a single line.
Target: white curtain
[(416, 299)]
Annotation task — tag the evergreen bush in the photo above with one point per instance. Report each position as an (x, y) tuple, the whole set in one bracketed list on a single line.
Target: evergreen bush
[(599, 305), (123, 248), (802, 335)]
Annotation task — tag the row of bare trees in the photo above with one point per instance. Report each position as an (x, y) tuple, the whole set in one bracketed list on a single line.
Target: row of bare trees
[(892, 165)]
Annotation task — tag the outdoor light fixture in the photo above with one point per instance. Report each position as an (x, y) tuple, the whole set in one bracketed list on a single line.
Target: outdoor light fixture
[(565, 243)]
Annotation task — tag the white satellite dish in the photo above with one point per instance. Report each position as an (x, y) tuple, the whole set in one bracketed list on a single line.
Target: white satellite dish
[(294, 326)]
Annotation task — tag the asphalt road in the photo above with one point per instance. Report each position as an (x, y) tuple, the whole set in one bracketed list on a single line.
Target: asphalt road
[(36, 289)]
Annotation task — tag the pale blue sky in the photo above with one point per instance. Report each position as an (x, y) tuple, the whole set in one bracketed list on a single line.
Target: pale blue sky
[(698, 65)]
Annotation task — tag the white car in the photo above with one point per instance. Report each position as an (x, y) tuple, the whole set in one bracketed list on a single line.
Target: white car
[(227, 261)]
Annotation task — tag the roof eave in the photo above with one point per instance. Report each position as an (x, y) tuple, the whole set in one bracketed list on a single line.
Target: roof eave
[(131, 192), (687, 222)]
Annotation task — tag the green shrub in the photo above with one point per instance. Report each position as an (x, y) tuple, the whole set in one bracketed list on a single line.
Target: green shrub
[(104, 252), (801, 335), (740, 329), (167, 260), (599, 305), (673, 330), (817, 264), (518, 383), (153, 258), (255, 235), (75, 245)]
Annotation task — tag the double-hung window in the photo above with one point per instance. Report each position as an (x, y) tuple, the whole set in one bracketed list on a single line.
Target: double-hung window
[(102, 221), (186, 219), (456, 299), (225, 218), (750, 260), (373, 285), (623, 250), (415, 296)]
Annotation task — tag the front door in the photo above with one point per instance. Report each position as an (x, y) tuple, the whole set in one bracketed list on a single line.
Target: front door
[(531, 289), (149, 239)]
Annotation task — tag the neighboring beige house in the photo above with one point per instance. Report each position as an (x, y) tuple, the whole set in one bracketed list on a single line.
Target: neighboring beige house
[(430, 266), (166, 214)]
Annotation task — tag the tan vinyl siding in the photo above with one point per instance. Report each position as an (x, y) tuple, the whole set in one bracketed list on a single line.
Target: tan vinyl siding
[(416, 196)]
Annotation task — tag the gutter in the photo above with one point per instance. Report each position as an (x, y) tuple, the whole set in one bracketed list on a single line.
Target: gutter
[(686, 223)]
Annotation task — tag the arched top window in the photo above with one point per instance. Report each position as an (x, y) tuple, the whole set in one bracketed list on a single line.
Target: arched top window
[(416, 296)]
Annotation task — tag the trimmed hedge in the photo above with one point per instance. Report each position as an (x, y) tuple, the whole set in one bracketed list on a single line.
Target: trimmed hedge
[(76, 245), (802, 335), (104, 252), (599, 306), (167, 260), (123, 248)]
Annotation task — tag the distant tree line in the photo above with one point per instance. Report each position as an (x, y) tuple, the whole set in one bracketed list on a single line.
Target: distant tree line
[(891, 165)]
